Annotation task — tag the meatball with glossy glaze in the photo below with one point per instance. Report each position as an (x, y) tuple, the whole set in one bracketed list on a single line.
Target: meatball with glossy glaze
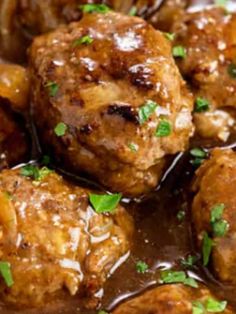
[(111, 83), (214, 212), (209, 38), (53, 239), (169, 299)]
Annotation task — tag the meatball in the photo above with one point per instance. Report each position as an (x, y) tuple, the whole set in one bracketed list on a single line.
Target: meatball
[(170, 299), (14, 142), (110, 84), (209, 39), (53, 239), (214, 212)]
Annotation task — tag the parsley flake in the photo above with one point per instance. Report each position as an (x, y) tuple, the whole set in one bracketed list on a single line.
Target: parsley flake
[(133, 11), (214, 306), (85, 40), (221, 3), (201, 105), (141, 267), (53, 88), (189, 261), (146, 111), (232, 70), (163, 129), (60, 129), (181, 215), (34, 172), (104, 203), (198, 307), (133, 147), (179, 52), (102, 312), (5, 271), (169, 276), (199, 155), (95, 8), (207, 245), (219, 225), (170, 36)]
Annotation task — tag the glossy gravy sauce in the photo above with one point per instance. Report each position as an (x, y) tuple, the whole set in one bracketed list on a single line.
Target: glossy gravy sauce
[(161, 239)]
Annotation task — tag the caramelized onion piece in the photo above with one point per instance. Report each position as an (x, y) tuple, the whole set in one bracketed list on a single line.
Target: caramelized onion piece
[(14, 85)]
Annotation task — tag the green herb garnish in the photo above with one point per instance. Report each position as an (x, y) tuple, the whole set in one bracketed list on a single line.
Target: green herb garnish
[(201, 105), (141, 267), (34, 172), (60, 129), (181, 215), (214, 306), (53, 88), (104, 203), (85, 40), (5, 270), (163, 129), (133, 147), (170, 36), (198, 307), (207, 245), (133, 11), (189, 261), (146, 111), (94, 8), (199, 155), (219, 225), (232, 70), (209, 305), (169, 276), (102, 312), (179, 52), (221, 3)]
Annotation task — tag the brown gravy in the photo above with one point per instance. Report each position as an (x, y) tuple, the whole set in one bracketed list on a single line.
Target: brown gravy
[(161, 240)]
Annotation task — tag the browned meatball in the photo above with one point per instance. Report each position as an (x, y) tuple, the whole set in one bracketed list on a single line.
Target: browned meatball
[(120, 97), (14, 144), (53, 239), (214, 211), (169, 299), (209, 38)]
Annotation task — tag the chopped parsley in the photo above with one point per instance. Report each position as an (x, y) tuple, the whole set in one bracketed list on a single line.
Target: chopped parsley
[(232, 70), (102, 312), (201, 105), (60, 129), (146, 111), (207, 245), (53, 88), (219, 225), (198, 307), (46, 160), (133, 11), (209, 305), (181, 215), (5, 271), (169, 276), (221, 3), (170, 36), (141, 267), (189, 261), (104, 203), (34, 172), (199, 156), (94, 8), (179, 52), (215, 306), (85, 40), (133, 147), (163, 129)]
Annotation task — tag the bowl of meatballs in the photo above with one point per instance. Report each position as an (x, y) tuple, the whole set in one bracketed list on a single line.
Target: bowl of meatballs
[(117, 157)]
